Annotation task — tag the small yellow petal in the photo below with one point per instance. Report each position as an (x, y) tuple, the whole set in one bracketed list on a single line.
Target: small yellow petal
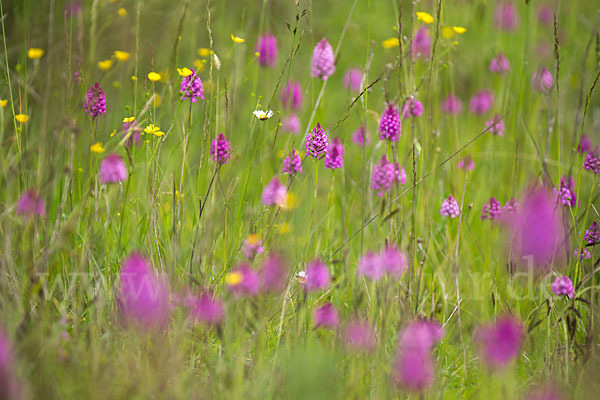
[(121, 55), (425, 17), (35, 53), (134, 78), (391, 42), (154, 76), (284, 228), (105, 65), (204, 52), (22, 118), (253, 238), (122, 12), (447, 32), (128, 119), (185, 71), (3, 103), (237, 39), (113, 133), (199, 64), (233, 278), (97, 148), (459, 29)]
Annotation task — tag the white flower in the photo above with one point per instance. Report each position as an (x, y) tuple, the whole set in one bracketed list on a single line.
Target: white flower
[(263, 115), (301, 276)]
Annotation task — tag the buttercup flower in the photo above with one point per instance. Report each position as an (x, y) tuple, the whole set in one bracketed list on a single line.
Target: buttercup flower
[(35, 53)]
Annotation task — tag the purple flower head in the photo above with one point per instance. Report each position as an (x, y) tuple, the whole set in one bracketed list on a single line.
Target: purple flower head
[(420, 336), (322, 64), (506, 16), (542, 80), (273, 274), (450, 207), (399, 174), (31, 204), (563, 286), (316, 143), (266, 46), (220, 149), (592, 234), (353, 79), (9, 385), (384, 175), (72, 8), (143, 298), (275, 193), (253, 246), (413, 370), (538, 232), (500, 342), (496, 125), (451, 105), (585, 144), (317, 276), (546, 14), (491, 210), (358, 335), (584, 254), (370, 265), (390, 126), (544, 393), (421, 44), (499, 64), (112, 169), (566, 193), (243, 281), (326, 316), (292, 164), (592, 161), (481, 102), (96, 101), (207, 309), (467, 164), (291, 124), (191, 87), (412, 108), (335, 155), (393, 261), (293, 99), (360, 136), (510, 208)]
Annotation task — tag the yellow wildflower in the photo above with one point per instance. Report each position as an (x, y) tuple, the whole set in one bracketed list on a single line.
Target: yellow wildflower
[(113, 133), (122, 12), (391, 42), (154, 76), (22, 118), (128, 119), (425, 17), (199, 64), (185, 71), (35, 53), (253, 238), (459, 29), (284, 228), (447, 32), (97, 147), (153, 130), (3, 103), (233, 278), (121, 55), (237, 39), (204, 52), (105, 65)]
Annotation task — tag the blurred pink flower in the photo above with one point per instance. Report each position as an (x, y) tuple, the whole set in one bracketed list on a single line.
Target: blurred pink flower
[(451, 105), (291, 124), (112, 169), (421, 44), (291, 95), (274, 193), (500, 341), (317, 276), (353, 79), (242, 281), (31, 204), (206, 308), (358, 335), (273, 274), (506, 16), (322, 64), (326, 316), (481, 102)]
